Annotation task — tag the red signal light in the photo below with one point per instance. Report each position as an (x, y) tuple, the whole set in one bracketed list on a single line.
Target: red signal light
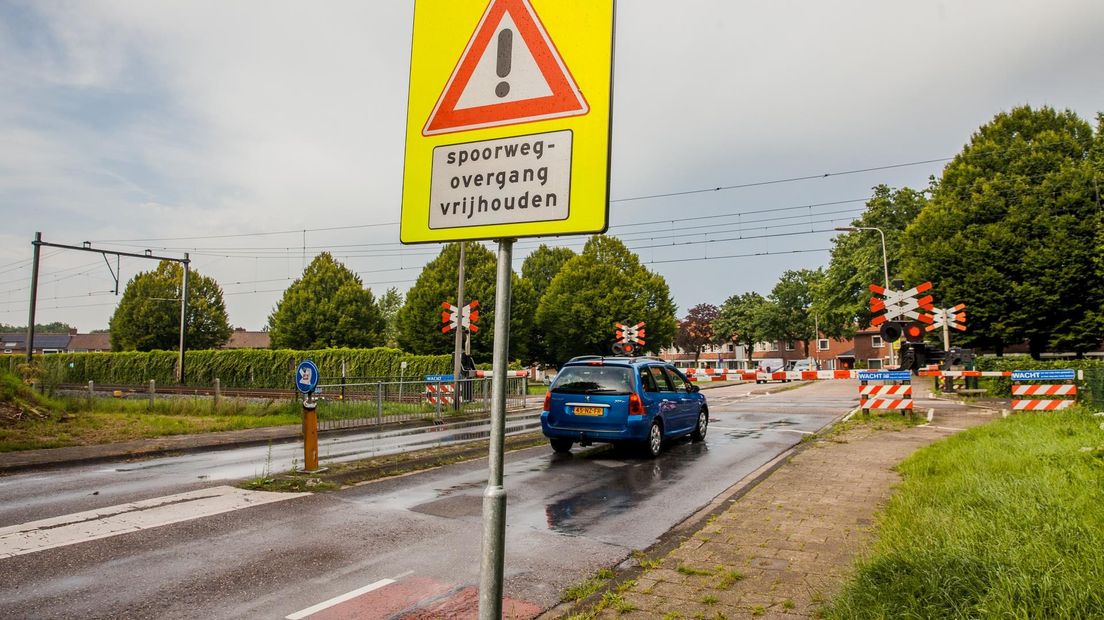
[(914, 331)]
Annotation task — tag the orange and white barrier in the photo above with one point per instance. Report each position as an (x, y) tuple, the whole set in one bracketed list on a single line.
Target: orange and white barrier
[(886, 397), (487, 374), (723, 374), (1041, 404), (1044, 390), (1053, 393), (439, 393)]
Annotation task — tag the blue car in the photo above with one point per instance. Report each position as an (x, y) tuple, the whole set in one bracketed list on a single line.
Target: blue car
[(640, 400)]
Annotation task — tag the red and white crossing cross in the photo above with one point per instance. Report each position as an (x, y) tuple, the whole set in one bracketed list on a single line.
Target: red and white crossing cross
[(470, 316), (901, 304), (953, 318), (467, 316), (633, 333), (450, 317)]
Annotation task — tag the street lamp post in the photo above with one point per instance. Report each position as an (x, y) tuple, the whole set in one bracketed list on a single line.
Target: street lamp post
[(885, 266)]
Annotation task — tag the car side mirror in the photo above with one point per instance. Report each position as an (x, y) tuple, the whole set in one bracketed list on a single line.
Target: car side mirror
[(693, 388)]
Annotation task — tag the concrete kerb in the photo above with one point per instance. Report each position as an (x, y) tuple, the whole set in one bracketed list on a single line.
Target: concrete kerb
[(628, 568)]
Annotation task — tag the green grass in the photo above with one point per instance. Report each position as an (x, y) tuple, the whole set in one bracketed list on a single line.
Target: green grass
[(30, 421), (1004, 520), (690, 570)]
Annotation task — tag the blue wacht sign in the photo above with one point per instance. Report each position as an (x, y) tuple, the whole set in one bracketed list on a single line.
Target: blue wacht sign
[(438, 378), (885, 375), (1043, 375)]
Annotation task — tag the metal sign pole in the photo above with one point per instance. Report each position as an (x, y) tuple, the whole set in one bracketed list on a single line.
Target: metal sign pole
[(458, 341), (494, 497)]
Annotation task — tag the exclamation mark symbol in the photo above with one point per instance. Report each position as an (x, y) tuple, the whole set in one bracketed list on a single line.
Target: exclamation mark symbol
[(505, 53)]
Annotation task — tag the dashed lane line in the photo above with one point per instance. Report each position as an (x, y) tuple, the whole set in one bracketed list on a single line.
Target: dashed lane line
[(131, 517)]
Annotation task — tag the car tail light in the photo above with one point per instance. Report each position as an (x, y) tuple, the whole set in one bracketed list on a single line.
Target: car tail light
[(636, 406), (548, 400)]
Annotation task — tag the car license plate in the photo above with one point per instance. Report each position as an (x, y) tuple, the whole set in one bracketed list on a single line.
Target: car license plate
[(591, 411)]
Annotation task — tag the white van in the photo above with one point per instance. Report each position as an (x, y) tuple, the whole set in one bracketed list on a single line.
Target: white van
[(800, 365)]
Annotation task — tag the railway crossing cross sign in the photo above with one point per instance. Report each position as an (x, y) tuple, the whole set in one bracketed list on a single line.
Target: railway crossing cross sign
[(901, 304), (508, 119), (953, 318)]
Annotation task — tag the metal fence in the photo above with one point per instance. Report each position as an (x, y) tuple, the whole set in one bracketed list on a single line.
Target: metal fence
[(356, 405), (1092, 388)]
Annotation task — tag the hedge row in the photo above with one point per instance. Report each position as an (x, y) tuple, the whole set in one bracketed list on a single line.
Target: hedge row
[(260, 368), (1091, 388)]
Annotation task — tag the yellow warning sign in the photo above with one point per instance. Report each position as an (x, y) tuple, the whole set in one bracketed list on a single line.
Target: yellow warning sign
[(508, 121)]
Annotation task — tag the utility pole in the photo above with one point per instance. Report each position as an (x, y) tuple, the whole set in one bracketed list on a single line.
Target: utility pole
[(37, 243), (184, 313), (87, 247)]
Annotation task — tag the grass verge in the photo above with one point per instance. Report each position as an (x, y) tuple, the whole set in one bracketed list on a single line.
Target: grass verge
[(29, 421), (340, 475), (1004, 520)]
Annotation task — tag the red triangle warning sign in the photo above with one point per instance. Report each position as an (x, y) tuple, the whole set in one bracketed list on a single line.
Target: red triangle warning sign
[(509, 73)]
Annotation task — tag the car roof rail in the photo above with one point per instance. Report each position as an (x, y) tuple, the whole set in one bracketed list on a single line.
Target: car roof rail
[(580, 358)]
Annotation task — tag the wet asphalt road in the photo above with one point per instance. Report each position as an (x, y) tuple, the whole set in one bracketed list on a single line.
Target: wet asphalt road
[(568, 516)]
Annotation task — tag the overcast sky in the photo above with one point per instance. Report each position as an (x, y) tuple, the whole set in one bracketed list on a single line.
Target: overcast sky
[(176, 125)]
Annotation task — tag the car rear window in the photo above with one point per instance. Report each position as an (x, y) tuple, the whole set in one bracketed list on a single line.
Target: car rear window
[(594, 380)]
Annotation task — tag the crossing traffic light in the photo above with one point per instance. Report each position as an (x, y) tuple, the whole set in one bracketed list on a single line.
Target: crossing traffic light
[(914, 332), (892, 331)]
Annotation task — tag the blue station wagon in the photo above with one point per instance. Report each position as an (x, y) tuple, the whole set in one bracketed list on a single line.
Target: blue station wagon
[(641, 400)]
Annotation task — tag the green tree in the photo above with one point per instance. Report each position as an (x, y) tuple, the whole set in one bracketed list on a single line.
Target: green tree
[(604, 285), (537, 271), (148, 315), (789, 317), (389, 304), (841, 299), (542, 265), (696, 332), (56, 327), (1012, 231), (419, 320), (742, 318), (327, 307)]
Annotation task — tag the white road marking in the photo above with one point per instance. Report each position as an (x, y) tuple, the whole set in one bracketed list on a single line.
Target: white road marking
[(124, 518), (337, 600)]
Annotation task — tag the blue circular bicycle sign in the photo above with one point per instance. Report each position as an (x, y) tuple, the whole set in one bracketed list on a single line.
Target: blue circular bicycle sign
[(306, 377)]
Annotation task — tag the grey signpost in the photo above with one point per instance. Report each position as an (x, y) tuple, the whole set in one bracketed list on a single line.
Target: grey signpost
[(530, 129)]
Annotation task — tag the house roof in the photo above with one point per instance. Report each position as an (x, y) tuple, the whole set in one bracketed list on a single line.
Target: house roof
[(242, 339), (41, 341), (90, 342)]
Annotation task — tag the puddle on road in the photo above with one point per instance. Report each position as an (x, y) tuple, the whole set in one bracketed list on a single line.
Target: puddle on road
[(743, 434), (625, 482)]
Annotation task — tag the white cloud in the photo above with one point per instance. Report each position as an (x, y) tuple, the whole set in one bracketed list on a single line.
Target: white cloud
[(136, 119)]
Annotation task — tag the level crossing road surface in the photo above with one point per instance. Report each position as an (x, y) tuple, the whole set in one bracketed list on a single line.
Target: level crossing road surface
[(168, 547)]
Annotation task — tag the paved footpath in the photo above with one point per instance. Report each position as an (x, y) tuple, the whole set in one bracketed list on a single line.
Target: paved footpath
[(792, 537)]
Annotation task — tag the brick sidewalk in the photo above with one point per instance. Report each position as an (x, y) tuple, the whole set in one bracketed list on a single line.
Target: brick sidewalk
[(783, 548)]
